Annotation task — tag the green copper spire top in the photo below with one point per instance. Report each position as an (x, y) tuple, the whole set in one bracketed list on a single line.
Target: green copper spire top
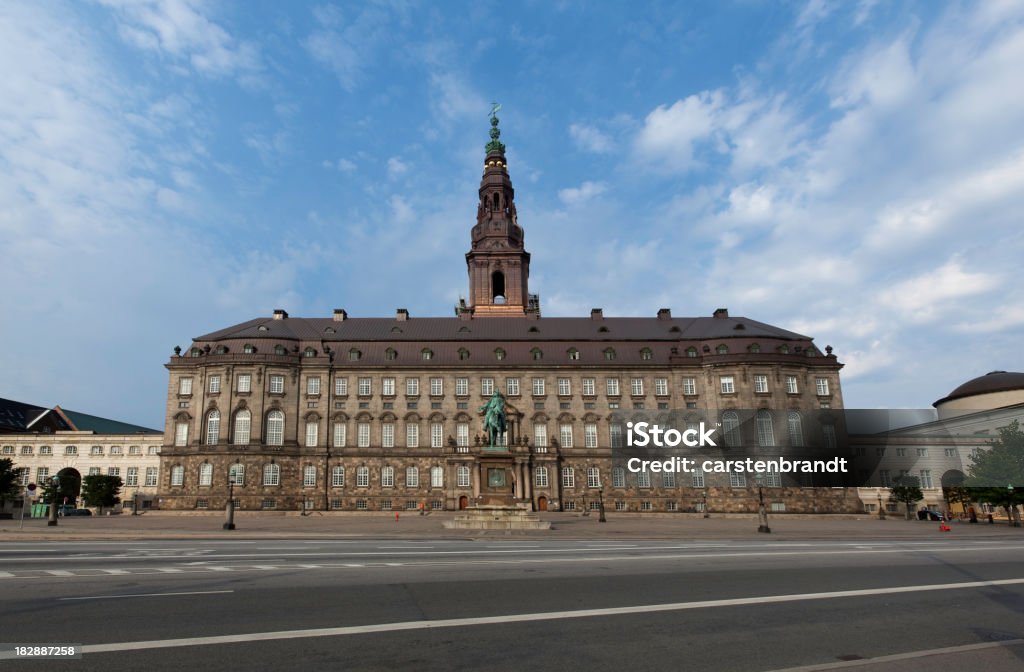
[(495, 144)]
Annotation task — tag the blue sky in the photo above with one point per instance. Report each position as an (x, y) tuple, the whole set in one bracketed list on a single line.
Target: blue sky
[(849, 170)]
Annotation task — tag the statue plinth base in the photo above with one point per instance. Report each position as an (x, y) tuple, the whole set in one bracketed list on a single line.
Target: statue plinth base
[(496, 517)]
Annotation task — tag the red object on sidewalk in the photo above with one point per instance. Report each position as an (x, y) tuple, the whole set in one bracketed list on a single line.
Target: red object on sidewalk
[(944, 528), (396, 516)]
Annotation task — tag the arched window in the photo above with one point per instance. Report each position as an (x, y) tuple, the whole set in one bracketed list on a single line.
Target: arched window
[(536, 354), (362, 477), (765, 430), (540, 477), (271, 474), (646, 354), (498, 287), (784, 349), (338, 477), (412, 477), (195, 352), (437, 477), (221, 350), (275, 428), (390, 354), (312, 433), (212, 427), (309, 352), (499, 354), (731, 428), (177, 475), (243, 426), (609, 354), (237, 474), (691, 351), (279, 350), (796, 429), (249, 349), (387, 477), (755, 348), (309, 476), (463, 354), (573, 353), (205, 474), (722, 349), (427, 354), (180, 433)]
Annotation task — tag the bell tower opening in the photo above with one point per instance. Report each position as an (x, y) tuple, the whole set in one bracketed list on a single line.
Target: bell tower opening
[(498, 287)]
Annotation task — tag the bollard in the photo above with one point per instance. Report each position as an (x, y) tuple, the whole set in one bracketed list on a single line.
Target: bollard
[(396, 516)]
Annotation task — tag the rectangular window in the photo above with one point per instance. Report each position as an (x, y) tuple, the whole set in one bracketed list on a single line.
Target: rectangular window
[(387, 387), (277, 384), (697, 478), (589, 387), (363, 435), (132, 477), (773, 479), (461, 387), (412, 477), (922, 452), (830, 436), (151, 477), (412, 387), (365, 387), (387, 477), (115, 450), (885, 478), (540, 477), (565, 435), (791, 386), (313, 385), (214, 384), (387, 435), (540, 436), (926, 478), (180, 434), (412, 435), (42, 473), (116, 471), (184, 386), (538, 387), (340, 434), (668, 480), (618, 477), (486, 387), (737, 480), (462, 475), (636, 387), (177, 475), (643, 479), (135, 450), (760, 383), (564, 387), (612, 387), (615, 432), (436, 387), (309, 476), (568, 477), (312, 434), (341, 387), (593, 477), (93, 471), (95, 450), (512, 387), (590, 435), (728, 386), (437, 477), (436, 435), (661, 387), (462, 435), (821, 385), (363, 478), (689, 386)]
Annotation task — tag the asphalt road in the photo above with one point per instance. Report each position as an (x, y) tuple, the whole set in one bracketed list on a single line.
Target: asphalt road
[(529, 604)]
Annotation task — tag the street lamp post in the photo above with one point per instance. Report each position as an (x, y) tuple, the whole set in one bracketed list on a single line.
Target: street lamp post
[(704, 504), (1013, 507), (762, 513), (600, 508), (52, 522), (229, 510), (881, 509)]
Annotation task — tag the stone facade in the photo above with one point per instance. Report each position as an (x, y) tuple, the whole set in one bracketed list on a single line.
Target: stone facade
[(383, 413)]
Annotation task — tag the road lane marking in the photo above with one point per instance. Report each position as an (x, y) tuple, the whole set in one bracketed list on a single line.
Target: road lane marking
[(910, 655), (114, 597), (527, 618), (115, 571), (58, 572)]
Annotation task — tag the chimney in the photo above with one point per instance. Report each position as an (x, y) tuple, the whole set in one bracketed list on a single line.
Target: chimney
[(340, 315), (665, 314), (280, 314), (721, 313), (402, 315), (596, 314)]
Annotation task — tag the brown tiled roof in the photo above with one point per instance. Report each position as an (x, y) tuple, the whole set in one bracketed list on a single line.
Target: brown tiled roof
[(432, 329)]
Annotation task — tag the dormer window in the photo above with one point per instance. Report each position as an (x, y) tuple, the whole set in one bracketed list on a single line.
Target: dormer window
[(354, 355), (646, 354), (499, 354), (390, 354), (574, 354), (309, 352), (754, 348), (722, 349), (609, 354), (279, 350), (691, 351), (463, 354), (427, 354), (536, 354), (221, 350), (249, 349)]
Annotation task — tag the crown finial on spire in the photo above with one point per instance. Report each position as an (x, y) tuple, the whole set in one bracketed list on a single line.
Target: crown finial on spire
[(495, 144)]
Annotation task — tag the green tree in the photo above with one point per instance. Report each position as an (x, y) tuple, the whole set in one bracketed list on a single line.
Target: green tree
[(101, 491), (66, 488), (996, 475), (8, 481), (907, 490)]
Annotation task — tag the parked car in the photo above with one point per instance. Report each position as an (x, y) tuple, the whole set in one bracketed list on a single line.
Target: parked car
[(928, 514), (77, 512)]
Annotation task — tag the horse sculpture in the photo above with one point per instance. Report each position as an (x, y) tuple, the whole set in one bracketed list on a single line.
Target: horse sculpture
[(494, 418)]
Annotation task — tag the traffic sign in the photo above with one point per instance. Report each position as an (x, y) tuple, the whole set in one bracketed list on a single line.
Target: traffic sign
[(31, 487)]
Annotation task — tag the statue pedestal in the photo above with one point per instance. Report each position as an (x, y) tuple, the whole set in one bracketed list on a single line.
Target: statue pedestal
[(496, 517)]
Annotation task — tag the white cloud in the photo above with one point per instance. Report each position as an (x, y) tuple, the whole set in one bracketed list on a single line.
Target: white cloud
[(396, 167), (920, 298), (585, 192), (669, 134), (590, 139)]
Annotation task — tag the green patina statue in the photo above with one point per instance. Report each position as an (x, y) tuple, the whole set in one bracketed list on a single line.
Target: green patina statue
[(494, 418)]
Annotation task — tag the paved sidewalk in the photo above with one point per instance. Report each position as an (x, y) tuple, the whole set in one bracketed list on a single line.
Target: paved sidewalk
[(256, 525)]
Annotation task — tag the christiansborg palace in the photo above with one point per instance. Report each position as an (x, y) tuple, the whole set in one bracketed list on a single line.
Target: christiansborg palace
[(349, 413)]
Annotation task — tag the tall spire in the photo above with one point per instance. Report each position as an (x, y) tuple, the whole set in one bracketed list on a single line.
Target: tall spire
[(498, 264)]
